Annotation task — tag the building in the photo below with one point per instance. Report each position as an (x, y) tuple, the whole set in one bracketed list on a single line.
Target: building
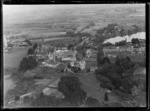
[(82, 64), (66, 55), (113, 51)]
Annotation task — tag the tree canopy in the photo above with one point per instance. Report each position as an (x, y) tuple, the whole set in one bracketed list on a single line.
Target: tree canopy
[(112, 75), (27, 63), (30, 51), (135, 41), (71, 88)]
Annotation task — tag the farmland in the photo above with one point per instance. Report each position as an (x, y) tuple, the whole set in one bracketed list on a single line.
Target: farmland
[(52, 19)]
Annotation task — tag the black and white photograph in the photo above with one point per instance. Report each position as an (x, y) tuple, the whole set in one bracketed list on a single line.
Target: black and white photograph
[(74, 55)]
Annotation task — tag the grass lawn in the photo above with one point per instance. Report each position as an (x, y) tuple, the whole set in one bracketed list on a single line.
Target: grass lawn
[(92, 86)]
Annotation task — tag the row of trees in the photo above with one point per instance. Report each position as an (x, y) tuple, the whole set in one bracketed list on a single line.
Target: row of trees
[(117, 75), (123, 42), (113, 30)]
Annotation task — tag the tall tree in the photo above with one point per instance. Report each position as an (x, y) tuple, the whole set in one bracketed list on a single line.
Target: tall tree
[(71, 88), (30, 51), (106, 96), (100, 54)]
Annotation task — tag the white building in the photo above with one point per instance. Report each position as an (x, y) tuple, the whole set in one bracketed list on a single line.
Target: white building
[(82, 64), (88, 52)]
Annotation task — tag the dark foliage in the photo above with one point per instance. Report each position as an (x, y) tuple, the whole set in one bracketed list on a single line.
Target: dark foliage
[(35, 46), (121, 43), (135, 41), (71, 88), (100, 54), (104, 61), (27, 63), (112, 75), (28, 41), (70, 47), (30, 51), (92, 102), (106, 96)]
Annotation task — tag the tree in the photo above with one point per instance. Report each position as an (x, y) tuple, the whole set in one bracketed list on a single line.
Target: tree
[(28, 41), (30, 51), (100, 55), (71, 89), (106, 96), (127, 84), (107, 85), (105, 60), (90, 101), (121, 43), (27, 63), (35, 46), (108, 44), (135, 41), (70, 47)]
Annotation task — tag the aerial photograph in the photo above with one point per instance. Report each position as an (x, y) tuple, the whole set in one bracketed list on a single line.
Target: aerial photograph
[(74, 55)]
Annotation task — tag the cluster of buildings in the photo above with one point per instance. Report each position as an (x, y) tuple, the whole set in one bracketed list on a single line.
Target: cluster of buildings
[(20, 42), (113, 51), (53, 56)]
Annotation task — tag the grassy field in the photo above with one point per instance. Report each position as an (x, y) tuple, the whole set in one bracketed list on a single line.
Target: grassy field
[(45, 19)]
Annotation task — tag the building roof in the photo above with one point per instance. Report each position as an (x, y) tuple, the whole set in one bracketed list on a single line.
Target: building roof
[(69, 53)]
